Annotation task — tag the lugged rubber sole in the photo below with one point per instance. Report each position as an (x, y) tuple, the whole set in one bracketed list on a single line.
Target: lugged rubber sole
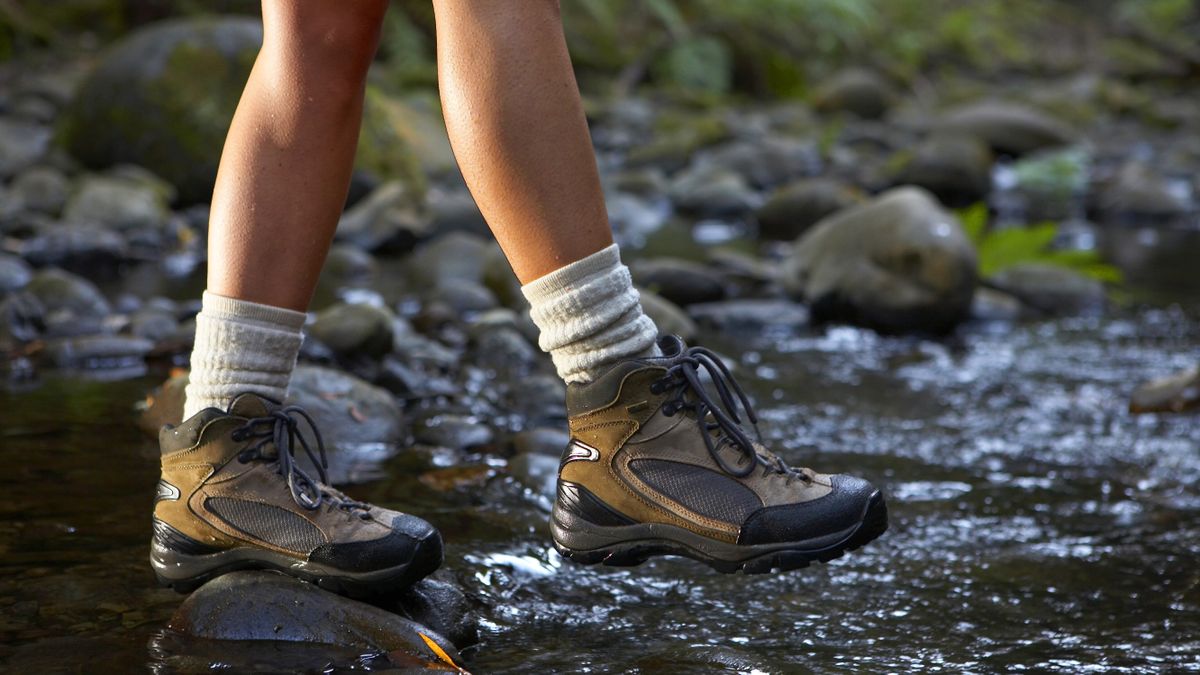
[(185, 572), (626, 546)]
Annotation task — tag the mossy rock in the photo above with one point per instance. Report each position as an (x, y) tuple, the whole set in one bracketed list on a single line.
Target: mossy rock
[(164, 96)]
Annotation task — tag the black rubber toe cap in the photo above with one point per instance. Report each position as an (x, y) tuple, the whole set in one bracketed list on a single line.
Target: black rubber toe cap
[(413, 542), (837, 511)]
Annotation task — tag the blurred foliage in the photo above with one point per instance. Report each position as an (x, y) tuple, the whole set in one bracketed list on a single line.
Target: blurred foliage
[(771, 48), (999, 249), (1056, 173)]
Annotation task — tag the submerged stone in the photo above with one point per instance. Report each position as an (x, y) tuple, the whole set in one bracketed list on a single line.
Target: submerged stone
[(267, 606)]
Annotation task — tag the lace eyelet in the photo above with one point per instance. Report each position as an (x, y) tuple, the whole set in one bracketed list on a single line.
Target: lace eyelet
[(656, 387)]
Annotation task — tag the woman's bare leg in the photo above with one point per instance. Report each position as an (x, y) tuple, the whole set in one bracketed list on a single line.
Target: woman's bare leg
[(517, 128), (285, 170)]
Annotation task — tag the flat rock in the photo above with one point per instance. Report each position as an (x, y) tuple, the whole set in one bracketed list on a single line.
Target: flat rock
[(957, 169), (791, 210), (1175, 393), (61, 291), (1009, 128), (1051, 290), (861, 92), (732, 316), (267, 606), (898, 263), (681, 281), (352, 329)]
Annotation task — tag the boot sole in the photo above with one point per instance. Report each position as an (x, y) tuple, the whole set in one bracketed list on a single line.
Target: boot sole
[(629, 545), (185, 572)]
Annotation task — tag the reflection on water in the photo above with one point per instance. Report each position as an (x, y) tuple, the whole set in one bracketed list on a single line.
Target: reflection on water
[(1036, 525)]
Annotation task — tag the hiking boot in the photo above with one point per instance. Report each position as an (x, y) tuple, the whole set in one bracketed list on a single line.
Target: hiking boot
[(232, 497), (659, 464)]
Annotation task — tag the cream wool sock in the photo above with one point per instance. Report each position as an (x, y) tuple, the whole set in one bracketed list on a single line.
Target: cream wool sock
[(241, 347), (590, 315)]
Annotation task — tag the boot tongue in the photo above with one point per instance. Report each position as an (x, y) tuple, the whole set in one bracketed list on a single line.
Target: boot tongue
[(250, 405)]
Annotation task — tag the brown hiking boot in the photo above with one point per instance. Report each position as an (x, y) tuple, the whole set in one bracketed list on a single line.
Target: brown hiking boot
[(231, 497), (659, 464)]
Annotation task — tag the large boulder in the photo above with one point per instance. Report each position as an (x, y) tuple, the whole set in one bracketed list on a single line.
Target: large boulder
[(163, 98), (898, 263), (1009, 128), (268, 607)]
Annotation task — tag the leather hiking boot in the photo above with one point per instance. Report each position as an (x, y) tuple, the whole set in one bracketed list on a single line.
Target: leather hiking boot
[(659, 464), (232, 497)]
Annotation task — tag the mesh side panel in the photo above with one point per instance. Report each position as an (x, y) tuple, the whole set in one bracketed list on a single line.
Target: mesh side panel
[(706, 492), (271, 524)]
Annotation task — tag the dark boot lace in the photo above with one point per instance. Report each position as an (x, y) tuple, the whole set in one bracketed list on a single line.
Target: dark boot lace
[(277, 434), (720, 425)]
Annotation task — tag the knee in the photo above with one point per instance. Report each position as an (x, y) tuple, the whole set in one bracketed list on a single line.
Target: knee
[(331, 42)]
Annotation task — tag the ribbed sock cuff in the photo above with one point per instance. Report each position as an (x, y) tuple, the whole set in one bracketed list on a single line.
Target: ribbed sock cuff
[(590, 315), (241, 346)]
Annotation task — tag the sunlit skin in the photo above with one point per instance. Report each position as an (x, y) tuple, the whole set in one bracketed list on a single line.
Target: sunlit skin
[(512, 110)]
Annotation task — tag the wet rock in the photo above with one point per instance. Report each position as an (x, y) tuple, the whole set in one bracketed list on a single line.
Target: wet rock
[(455, 432), (768, 162), (21, 145), (897, 263), (41, 189), (540, 399), (856, 91), (681, 281), (536, 471), (1009, 128), (183, 78), (267, 606), (443, 607), (354, 329), (499, 278), (668, 316), (61, 291), (503, 350), (124, 201), (163, 97), (956, 169), (388, 220), (22, 319), (14, 273), (992, 305), (549, 441), (712, 192), (794, 208), (86, 248), (347, 266), (1050, 289), (734, 316), (457, 255), (463, 296), (455, 211), (95, 352), (1137, 190), (1175, 393), (154, 324)]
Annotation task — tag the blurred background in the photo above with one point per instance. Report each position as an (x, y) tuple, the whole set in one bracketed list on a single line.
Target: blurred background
[(950, 245)]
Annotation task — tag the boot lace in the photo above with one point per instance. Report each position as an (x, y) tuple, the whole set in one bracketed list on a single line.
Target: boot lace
[(720, 419), (276, 436)]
